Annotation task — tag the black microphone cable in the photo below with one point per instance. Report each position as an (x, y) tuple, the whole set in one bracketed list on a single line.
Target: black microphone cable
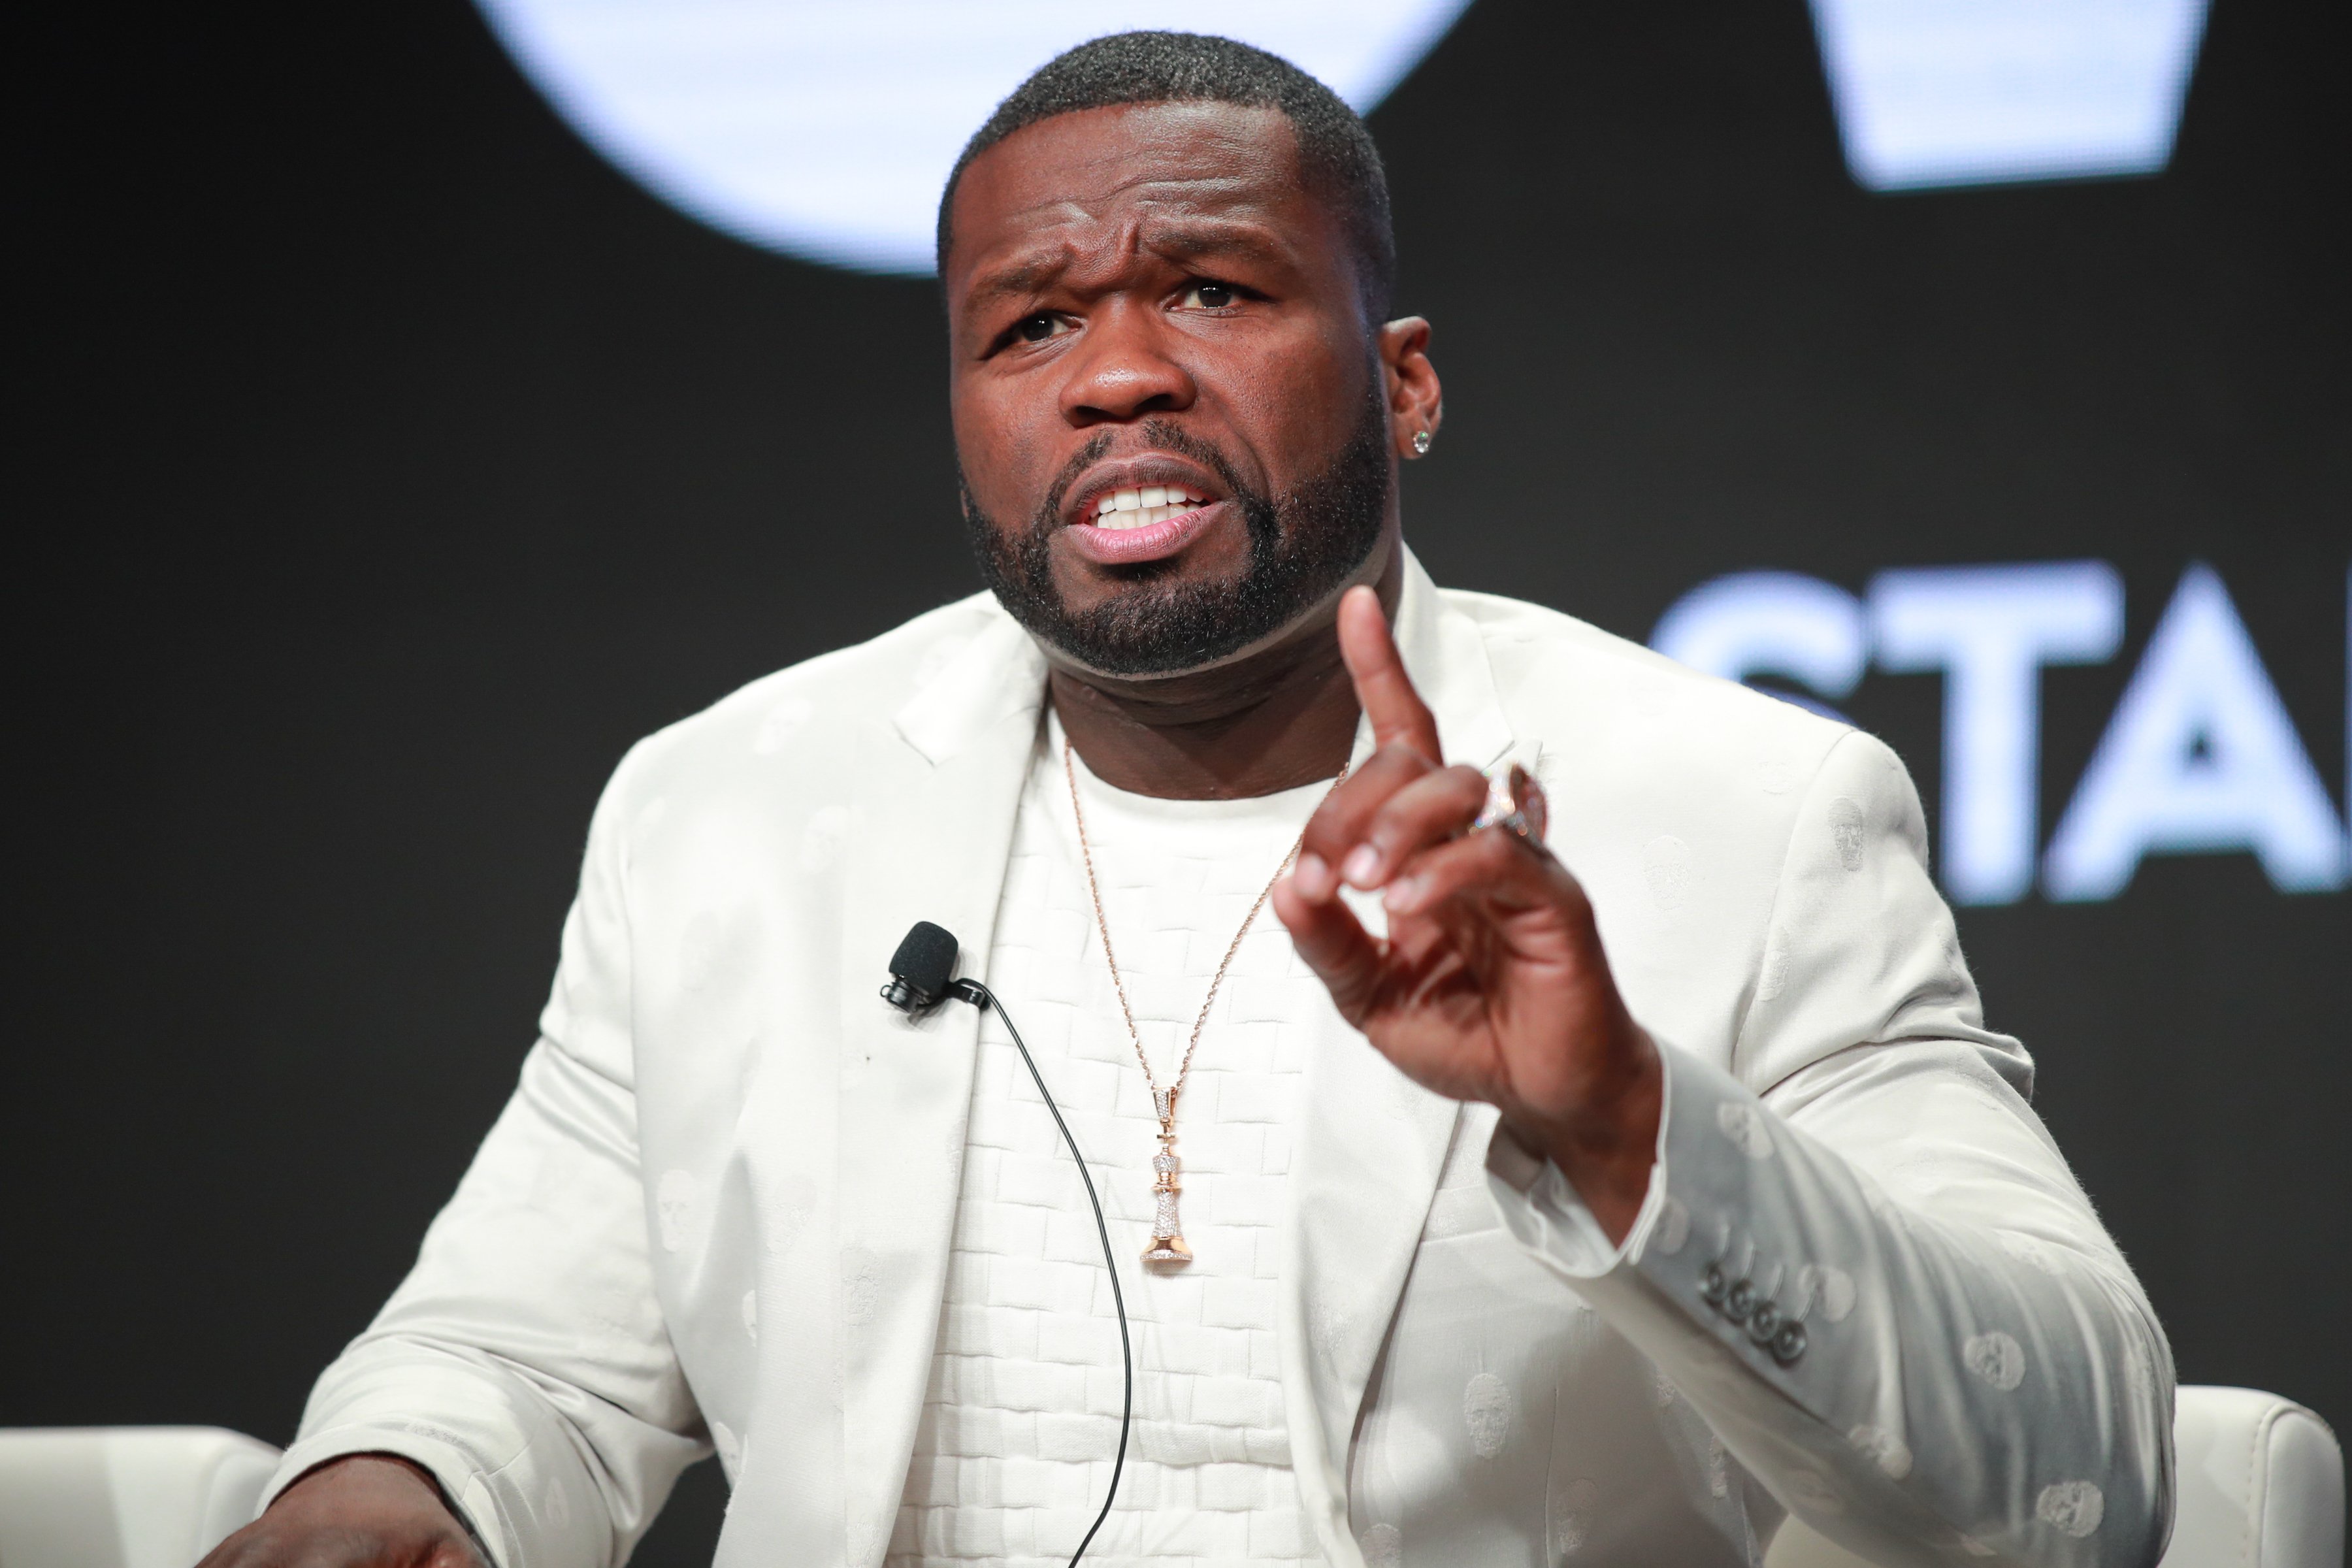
[(980, 996)]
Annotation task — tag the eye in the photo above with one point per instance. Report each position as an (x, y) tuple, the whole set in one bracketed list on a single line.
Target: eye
[(1208, 295), (1037, 328)]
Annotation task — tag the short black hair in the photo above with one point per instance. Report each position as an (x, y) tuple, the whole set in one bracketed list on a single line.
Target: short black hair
[(1335, 146)]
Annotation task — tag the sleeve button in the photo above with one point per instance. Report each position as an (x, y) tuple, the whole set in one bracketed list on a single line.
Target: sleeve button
[(1788, 1343), (1740, 1302), (1712, 1286), (1764, 1323)]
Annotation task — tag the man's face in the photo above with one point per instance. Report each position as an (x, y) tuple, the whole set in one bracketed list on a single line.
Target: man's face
[(1170, 409)]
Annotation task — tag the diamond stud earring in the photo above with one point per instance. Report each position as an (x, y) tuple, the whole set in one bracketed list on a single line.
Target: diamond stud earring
[(1420, 440)]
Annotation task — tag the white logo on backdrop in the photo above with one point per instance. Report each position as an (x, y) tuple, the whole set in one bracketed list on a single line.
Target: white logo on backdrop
[(826, 127), (2201, 756), (1961, 92)]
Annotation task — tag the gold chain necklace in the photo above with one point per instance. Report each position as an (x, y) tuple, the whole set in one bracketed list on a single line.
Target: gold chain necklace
[(1167, 1239)]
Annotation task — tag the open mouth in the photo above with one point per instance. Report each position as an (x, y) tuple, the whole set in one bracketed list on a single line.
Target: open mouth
[(1135, 525), (1146, 505)]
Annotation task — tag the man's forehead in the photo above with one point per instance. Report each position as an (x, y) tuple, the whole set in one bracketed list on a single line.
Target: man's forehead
[(1203, 161)]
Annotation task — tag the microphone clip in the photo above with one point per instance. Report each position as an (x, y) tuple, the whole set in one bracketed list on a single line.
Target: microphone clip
[(902, 993)]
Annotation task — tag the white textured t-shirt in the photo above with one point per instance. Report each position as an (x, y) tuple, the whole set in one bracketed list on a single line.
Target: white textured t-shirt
[(1021, 1418)]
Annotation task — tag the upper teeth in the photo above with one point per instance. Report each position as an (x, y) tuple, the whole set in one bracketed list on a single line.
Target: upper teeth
[(1150, 504)]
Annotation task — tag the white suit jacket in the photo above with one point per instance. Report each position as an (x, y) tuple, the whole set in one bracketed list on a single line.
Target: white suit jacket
[(718, 1209)]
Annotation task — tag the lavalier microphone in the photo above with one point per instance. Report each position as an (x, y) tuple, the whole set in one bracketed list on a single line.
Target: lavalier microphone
[(921, 968), (921, 977)]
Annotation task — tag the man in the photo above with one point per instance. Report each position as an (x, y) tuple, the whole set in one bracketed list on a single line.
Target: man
[(1603, 1189)]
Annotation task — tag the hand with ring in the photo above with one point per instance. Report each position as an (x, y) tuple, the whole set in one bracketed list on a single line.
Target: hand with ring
[(1492, 984)]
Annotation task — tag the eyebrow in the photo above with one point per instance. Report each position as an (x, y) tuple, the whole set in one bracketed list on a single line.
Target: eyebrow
[(1018, 278), (1179, 240), (1190, 241)]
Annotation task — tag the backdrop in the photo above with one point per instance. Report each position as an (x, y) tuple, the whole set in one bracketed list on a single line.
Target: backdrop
[(388, 462)]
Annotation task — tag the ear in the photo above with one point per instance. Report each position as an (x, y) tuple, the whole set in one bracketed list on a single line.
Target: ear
[(1416, 402)]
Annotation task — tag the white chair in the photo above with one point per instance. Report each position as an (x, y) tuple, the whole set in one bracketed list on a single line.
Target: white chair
[(125, 1497), (2260, 1484)]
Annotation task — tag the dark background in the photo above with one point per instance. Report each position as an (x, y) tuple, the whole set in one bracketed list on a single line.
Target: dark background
[(386, 463)]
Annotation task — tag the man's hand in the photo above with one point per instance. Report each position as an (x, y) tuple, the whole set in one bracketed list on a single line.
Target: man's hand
[(371, 1511), (1492, 984)]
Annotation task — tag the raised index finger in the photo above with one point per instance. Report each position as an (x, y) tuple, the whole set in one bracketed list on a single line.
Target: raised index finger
[(1399, 716)]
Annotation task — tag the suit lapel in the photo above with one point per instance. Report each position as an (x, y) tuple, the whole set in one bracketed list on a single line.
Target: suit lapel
[(1372, 1144), (942, 782)]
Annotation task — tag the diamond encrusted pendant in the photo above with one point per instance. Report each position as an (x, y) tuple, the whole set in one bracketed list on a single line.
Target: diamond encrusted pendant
[(1167, 1237)]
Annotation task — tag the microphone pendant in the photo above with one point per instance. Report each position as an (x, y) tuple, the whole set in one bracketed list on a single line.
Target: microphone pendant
[(1167, 1247)]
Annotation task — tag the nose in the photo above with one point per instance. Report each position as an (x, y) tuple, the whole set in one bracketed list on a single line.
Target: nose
[(1124, 370)]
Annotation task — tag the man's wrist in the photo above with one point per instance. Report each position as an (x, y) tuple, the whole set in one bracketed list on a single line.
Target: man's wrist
[(385, 1466), (379, 1471), (1608, 1147)]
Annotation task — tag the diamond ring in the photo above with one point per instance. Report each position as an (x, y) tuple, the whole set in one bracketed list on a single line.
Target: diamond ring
[(1515, 804)]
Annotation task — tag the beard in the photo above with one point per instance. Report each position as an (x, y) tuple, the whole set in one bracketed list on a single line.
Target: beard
[(1303, 545)]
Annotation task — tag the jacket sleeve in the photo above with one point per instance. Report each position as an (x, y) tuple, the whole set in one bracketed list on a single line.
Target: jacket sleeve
[(1862, 1256), (524, 1361)]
